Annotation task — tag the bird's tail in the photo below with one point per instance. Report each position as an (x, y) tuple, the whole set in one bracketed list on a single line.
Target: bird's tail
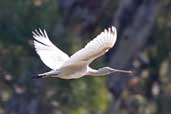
[(46, 74)]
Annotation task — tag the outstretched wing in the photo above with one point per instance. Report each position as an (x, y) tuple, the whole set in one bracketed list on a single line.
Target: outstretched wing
[(95, 48), (48, 52)]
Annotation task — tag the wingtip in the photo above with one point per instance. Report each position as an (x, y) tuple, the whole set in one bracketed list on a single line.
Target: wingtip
[(113, 29)]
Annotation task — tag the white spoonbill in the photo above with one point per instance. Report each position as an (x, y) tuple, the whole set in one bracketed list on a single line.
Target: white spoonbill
[(77, 65)]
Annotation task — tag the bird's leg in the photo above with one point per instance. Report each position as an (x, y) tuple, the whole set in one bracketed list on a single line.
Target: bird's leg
[(37, 76), (40, 76), (46, 74)]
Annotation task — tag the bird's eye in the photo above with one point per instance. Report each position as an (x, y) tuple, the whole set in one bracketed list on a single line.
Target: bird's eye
[(106, 50)]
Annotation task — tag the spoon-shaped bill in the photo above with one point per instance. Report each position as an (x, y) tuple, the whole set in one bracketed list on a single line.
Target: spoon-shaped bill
[(122, 71)]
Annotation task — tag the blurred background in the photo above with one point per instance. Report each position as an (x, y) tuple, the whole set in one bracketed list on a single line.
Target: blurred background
[(143, 45)]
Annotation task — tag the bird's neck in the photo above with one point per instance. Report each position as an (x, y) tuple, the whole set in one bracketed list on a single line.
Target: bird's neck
[(99, 72)]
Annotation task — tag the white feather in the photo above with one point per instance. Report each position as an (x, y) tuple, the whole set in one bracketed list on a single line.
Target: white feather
[(95, 48), (51, 56), (78, 64)]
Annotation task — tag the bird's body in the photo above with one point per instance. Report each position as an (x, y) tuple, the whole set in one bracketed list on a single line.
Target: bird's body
[(70, 71), (77, 65)]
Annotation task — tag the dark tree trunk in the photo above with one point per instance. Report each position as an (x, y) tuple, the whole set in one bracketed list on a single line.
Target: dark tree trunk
[(134, 20)]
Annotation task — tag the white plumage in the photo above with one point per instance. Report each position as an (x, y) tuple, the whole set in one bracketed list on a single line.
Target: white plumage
[(77, 65), (48, 52)]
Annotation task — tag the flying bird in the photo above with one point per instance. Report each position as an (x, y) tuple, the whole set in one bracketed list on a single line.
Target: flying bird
[(77, 65)]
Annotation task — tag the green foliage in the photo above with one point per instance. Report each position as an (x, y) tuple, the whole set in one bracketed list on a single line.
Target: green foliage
[(88, 95), (19, 61)]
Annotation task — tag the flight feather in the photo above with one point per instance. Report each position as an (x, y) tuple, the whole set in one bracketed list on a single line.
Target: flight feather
[(51, 56), (95, 48)]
